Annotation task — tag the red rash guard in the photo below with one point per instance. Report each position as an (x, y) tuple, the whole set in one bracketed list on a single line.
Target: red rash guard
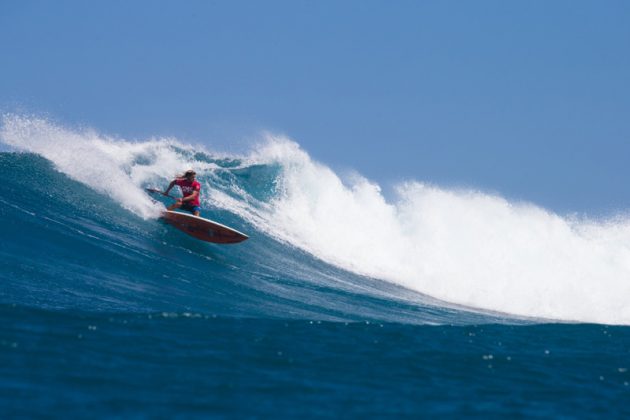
[(188, 188)]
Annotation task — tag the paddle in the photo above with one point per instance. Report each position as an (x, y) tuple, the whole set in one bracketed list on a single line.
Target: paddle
[(156, 191)]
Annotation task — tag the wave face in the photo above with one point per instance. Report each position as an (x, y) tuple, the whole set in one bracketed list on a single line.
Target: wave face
[(83, 234)]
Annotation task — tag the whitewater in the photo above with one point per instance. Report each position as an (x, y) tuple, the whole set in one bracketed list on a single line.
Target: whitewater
[(462, 247)]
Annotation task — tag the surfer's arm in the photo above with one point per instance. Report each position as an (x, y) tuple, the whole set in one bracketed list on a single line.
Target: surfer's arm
[(170, 187), (191, 196)]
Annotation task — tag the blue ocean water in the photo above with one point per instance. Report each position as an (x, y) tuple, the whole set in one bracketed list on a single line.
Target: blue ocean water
[(107, 312)]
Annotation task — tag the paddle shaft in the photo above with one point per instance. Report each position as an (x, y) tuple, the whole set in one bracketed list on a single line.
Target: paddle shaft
[(153, 190)]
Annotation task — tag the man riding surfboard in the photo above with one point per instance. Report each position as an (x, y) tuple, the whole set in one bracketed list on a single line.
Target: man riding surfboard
[(190, 190), (195, 226)]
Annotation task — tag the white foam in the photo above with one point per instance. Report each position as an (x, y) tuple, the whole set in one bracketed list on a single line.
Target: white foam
[(464, 247), (116, 167)]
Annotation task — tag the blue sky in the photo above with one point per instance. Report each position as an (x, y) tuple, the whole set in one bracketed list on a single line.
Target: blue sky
[(530, 99)]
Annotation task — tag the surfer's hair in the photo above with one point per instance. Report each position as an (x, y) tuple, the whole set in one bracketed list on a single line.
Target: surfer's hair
[(186, 174)]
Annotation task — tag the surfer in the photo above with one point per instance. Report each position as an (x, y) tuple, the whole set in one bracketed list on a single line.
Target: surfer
[(190, 190)]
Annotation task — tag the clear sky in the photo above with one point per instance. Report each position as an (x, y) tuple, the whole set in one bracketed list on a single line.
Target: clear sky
[(530, 99)]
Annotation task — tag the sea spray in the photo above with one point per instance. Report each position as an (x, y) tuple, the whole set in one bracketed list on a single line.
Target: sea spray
[(461, 246)]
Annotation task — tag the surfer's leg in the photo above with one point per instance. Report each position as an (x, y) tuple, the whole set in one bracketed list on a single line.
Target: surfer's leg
[(192, 209), (175, 206)]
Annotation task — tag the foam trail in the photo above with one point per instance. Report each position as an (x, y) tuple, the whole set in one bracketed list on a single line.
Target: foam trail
[(115, 167)]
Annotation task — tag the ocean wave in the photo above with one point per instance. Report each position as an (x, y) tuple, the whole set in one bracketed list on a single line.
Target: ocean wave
[(463, 248)]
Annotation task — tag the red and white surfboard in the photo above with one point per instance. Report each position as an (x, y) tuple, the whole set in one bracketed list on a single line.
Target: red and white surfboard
[(203, 229)]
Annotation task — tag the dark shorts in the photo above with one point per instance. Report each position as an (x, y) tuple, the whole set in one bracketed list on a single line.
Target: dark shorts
[(190, 208)]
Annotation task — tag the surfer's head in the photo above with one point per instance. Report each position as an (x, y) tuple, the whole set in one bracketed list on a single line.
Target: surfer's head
[(190, 174)]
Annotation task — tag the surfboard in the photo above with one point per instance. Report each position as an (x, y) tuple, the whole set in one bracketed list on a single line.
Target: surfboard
[(204, 229)]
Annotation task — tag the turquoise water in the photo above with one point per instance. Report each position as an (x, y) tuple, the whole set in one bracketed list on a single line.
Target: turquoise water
[(105, 311)]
